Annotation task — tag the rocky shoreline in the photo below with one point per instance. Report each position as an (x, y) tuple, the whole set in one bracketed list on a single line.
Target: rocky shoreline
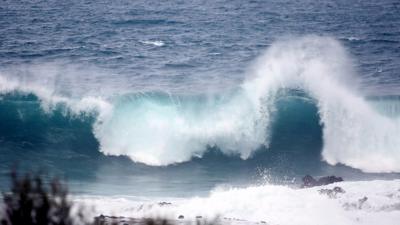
[(308, 182), (115, 220)]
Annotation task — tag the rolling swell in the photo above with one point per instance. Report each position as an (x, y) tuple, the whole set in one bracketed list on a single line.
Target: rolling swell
[(36, 139), (64, 142)]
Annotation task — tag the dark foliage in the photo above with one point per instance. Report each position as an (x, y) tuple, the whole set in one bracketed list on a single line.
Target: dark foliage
[(31, 202), (150, 221)]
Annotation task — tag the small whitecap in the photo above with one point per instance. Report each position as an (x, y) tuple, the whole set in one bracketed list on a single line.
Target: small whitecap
[(154, 43), (353, 38), (214, 53)]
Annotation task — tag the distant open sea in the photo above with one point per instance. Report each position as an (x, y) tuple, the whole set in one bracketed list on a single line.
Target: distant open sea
[(146, 101)]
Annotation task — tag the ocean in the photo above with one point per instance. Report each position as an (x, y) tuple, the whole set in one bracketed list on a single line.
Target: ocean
[(219, 107)]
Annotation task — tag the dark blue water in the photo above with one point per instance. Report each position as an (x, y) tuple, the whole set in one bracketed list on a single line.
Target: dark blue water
[(206, 44), (117, 50)]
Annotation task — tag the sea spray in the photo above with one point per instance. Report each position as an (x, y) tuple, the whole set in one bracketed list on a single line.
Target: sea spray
[(354, 133)]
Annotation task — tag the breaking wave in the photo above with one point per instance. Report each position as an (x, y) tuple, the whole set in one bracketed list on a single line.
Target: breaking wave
[(162, 129)]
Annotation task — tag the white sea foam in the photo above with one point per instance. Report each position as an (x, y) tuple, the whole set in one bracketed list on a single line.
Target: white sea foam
[(161, 132), (272, 204)]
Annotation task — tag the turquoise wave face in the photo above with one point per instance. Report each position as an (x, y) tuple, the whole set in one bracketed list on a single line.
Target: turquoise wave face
[(65, 144)]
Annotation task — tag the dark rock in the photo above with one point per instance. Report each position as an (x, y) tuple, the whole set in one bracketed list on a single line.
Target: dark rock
[(181, 217), (361, 202), (329, 180), (355, 205), (332, 193), (338, 190), (199, 217), (164, 203), (309, 181)]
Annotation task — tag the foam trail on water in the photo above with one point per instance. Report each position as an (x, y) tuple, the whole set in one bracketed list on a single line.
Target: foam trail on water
[(154, 43)]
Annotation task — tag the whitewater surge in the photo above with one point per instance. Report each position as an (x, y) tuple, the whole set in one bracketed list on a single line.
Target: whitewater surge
[(162, 129), (269, 203)]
